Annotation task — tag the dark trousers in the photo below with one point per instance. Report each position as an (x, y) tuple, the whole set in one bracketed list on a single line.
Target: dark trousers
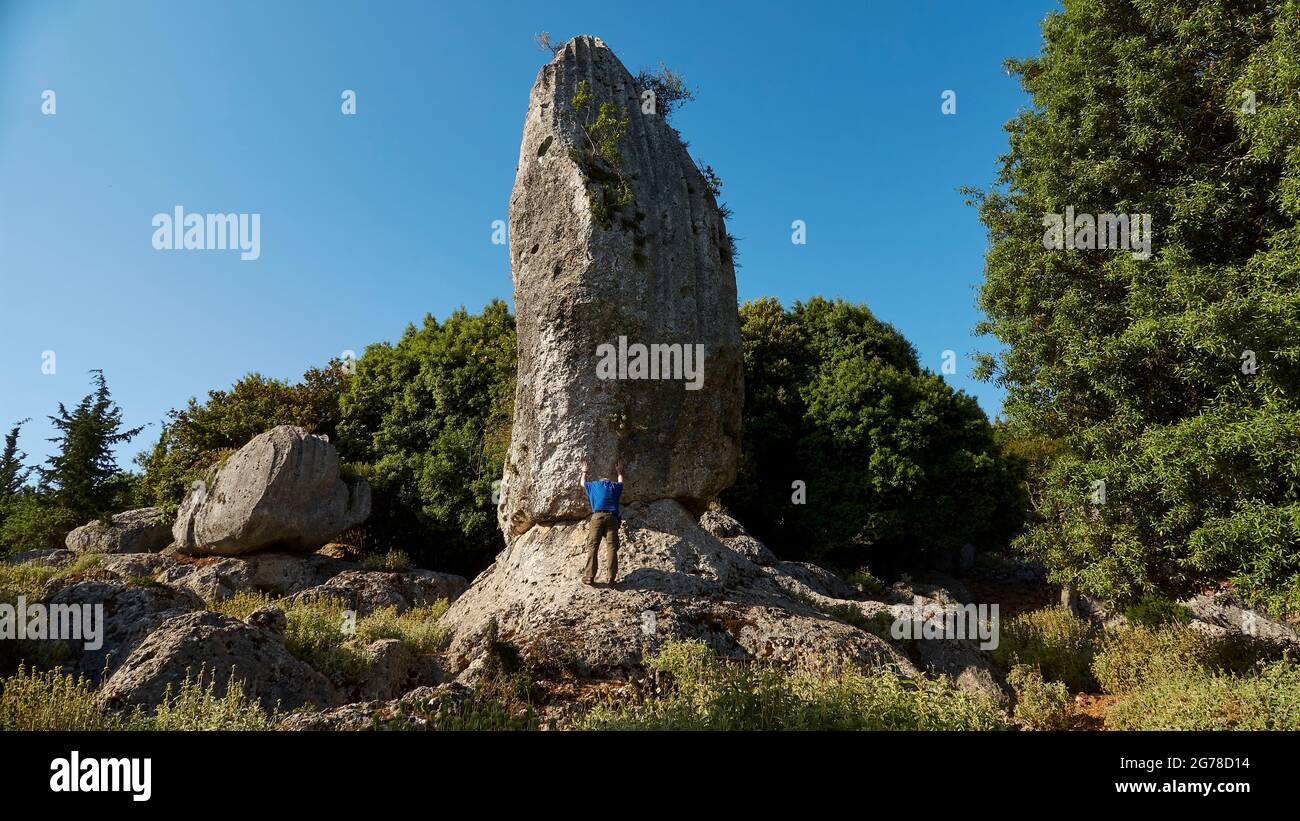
[(600, 524)]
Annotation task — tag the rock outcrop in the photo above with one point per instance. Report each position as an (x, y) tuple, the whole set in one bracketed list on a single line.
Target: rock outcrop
[(282, 489), (143, 530), (366, 591), (130, 611), (677, 581), (655, 271), (215, 646)]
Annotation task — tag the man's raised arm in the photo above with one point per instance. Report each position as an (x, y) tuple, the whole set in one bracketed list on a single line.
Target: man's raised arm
[(618, 468), (584, 472)]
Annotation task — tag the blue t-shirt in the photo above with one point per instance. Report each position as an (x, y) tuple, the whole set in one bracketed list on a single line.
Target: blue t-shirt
[(603, 495)]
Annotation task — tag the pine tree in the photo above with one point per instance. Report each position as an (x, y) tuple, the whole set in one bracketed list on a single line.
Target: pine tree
[(12, 472), (80, 474)]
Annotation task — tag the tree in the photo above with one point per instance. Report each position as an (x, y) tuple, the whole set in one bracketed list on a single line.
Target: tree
[(429, 419), (13, 475), (542, 40), (82, 476), (669, 89), (1169, 383), (200, 435), (894, 463)]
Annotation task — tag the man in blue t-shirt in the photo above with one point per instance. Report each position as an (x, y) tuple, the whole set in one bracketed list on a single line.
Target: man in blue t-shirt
[(603, 496)]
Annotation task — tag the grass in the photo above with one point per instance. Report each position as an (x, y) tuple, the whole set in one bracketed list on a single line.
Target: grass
[(1197, 699), (1171, 677), (319, 632), (29, 578), (712, 694), (242, 604), (51, 700), (1052, 640), (419, 628), (324, 634), (394, 561)]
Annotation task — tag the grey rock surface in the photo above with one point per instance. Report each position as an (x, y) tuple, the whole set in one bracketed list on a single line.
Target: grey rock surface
[(143, 530), (676, 581), (657, 273), (52, 557), (130, 611), (282, 489), (279, 574), (366, 591), (216, 646)]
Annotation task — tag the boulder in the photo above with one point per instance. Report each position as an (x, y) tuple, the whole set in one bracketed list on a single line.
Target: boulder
[(410, 712), (282, 489), (130, 566), (657, 272), (734, 536), (366, 591), (1224, 614), (53, 557), (143, 530), (130, 611), (216, 579), (215, 646), (268, 617)]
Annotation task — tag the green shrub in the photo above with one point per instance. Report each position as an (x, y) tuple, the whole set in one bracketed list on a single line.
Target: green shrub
[(1132, 656), (1040, 705), (394, 561), (1194, 699), (29, 578), (1052, 640), (903, 462), (710, 694), (1154, 610), (196, 707), (51, 700), (34, 521), (865, 582)]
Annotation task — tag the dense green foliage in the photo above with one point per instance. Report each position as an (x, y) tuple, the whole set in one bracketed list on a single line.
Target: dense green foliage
[(1141, 369), (893, 459), (429, 420), (194, 438)]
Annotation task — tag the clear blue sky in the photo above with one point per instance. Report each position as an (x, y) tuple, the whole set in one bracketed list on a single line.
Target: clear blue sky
[(825, 112)]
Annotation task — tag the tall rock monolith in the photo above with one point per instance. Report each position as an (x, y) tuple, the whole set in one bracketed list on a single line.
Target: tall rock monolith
[(625, 297)]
